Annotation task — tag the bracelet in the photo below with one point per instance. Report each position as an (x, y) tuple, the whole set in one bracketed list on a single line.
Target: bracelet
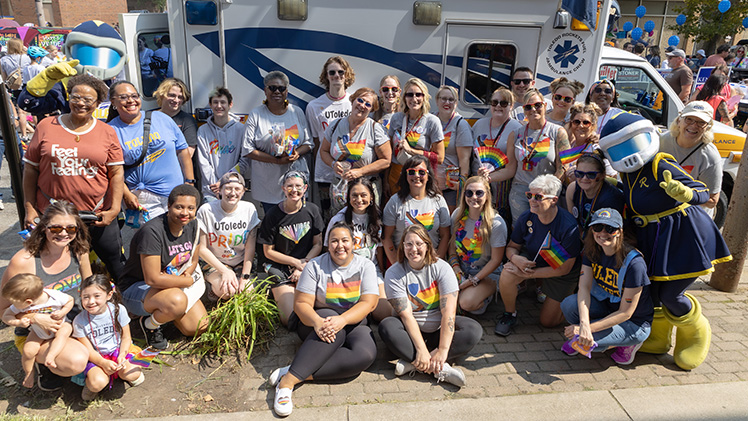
[(474, 280), (454, 261)]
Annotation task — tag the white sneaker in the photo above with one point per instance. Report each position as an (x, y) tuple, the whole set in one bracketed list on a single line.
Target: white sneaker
[(451, 375), (138, 381), (276, 375), (282, 405), (403, 367), (2, 207)]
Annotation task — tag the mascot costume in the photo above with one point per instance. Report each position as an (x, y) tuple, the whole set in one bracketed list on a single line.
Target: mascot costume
[(678, 239)]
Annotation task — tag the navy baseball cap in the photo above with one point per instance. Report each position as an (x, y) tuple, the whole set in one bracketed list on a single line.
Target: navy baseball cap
[(607, 216)]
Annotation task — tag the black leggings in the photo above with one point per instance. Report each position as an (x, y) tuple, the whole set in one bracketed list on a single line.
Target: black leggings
[(107, 243), (669, 294), (352, 352), (392, 331)]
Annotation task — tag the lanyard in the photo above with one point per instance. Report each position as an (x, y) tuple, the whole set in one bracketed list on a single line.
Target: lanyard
[(602, 120), (592, 207), (535, 143), (93, 335)]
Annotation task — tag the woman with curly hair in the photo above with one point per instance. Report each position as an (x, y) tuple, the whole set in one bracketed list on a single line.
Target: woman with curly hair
[(564, 93)]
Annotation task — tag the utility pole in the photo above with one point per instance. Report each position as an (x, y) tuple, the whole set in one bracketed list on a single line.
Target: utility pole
[(40, 14)]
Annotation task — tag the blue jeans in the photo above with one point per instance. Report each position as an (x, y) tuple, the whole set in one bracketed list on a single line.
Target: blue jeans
[(624, 334)]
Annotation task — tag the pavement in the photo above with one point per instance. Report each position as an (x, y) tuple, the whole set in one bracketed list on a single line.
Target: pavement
[(522, 376)]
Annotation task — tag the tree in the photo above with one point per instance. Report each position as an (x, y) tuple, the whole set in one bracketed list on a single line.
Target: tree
[(706, 23)]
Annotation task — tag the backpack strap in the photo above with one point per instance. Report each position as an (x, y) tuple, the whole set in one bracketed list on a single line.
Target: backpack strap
[(146, 140), (622, 271)]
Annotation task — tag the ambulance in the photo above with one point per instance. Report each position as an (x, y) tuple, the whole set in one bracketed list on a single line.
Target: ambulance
[(473, 45)]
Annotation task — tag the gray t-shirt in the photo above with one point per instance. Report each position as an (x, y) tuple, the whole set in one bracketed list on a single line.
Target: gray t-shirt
[(359, 150), (487, 135), (338, 287), (423, 288), (420, 133), (99, 328), (531, 142), (705, 164), (457, 133), (363, 244), (431, 212), (475, 255)]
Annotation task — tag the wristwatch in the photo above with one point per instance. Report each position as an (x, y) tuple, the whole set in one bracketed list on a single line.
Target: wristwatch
[(190, 181), (246, 276)]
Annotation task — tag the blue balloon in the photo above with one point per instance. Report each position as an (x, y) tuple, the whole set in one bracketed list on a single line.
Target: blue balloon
[(724, 6), (627, 26), (680, 19), (673, 41), (649, 26), (641, 11), (745, 23), (636, 33)]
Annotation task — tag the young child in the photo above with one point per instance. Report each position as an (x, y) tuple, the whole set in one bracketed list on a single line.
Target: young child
[(27, 295), (103, 327)]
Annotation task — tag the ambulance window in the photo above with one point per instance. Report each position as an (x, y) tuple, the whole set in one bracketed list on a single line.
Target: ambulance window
[(484, 59), (154, 61), (637, 92)]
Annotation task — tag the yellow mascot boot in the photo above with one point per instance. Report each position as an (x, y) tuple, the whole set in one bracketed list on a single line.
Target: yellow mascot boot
[(692, 336), (661, 335)]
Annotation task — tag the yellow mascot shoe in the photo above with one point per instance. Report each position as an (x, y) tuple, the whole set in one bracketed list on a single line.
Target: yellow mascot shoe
[(693, 336), (661, 335)]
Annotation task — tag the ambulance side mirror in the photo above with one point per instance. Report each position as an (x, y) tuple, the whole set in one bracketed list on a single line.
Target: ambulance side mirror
[(562, 20)]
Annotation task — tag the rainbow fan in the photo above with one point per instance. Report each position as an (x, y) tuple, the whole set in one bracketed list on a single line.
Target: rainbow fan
[(492, 157)]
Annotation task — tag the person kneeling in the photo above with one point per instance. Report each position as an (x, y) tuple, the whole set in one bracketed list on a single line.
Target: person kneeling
[(613, 292), (334, 294)]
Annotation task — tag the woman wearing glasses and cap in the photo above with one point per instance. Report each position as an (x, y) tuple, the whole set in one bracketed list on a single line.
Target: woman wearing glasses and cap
[(613, 307), (603, 93), (563, 94)]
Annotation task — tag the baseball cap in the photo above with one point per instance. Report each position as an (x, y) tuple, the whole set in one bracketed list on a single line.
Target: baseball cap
[(698, 109), (607, 216), (677, 53), (232, 177)]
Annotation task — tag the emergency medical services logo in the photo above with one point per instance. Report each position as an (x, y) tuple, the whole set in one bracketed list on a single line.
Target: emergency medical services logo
[(566, 53)]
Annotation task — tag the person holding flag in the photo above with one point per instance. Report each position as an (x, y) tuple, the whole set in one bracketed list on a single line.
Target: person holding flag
[(544, 245)]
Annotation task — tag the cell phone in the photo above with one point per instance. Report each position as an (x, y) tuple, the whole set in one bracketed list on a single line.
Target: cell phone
[(89, 217)]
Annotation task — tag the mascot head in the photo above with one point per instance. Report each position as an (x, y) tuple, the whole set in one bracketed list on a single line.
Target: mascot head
[(629, 141), (98, 47)]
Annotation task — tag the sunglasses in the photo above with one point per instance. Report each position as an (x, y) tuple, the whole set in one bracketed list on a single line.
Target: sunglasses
[(276, 88), (478, 193), (413, 171), (607, 228), (521, 81), (601, 90), (536, 106), (414, 94), (566, 99), (387, 89), (583, 123), (537, 196), (364, 102), (502, 103), (591, 175), (57, 229), (334, 72)]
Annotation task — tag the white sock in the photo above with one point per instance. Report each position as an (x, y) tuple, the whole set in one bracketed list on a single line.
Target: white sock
[(152, 323)]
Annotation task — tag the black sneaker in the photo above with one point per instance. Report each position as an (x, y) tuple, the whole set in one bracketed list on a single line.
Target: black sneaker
[(505, 324), (46, 380), (153, 337)]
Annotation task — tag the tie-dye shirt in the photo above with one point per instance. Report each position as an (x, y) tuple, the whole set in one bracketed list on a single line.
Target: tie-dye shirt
[(338, 287), (431, 212), (423, 289)]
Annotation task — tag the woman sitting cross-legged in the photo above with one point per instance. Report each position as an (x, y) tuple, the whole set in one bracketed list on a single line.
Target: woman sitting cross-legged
[(426, 331), (335, 293), (613, 307)]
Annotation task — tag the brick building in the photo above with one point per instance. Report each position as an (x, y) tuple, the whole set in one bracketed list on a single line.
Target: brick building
[(64, 13)]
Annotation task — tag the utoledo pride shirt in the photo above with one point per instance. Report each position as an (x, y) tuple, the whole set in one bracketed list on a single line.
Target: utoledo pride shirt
[(227, 232)]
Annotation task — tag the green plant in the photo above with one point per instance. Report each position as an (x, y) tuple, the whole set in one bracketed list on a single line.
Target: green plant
[(243, 321)]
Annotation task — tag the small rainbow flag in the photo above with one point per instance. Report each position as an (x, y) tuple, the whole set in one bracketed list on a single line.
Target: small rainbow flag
[(541, 150), (345, 294), (491, 156), (570, 155), (144, 357), (553, 252)]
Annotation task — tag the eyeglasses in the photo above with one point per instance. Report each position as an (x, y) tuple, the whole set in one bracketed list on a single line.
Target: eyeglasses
[(276, 88), (537, 196), (521, 81), (85, 100), (591, 175), (566, 99), (175, 96), (502, 103), (414, 245), (536, 106), (413, 172), (607, 228), (387, 89), (294, 188), (478, 193), (598, 90), (583, 123), (414, 94), (57, 229), (696, 122), (126, 97), (447, 100), (364, 102), (334, 72)]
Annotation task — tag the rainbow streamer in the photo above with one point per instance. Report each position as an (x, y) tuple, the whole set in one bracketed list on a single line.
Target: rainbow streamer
[(541, 150), (491, 156), (144, 357), (345, 294), (295, 232), (553, 252), (570, 155)]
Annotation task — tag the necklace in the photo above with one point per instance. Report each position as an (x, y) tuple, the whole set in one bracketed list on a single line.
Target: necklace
[(70, 124), (335, 98)]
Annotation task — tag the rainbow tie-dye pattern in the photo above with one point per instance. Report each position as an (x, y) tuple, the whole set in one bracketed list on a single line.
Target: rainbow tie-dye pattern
[(425, 219), (424, 299), (345, 294)]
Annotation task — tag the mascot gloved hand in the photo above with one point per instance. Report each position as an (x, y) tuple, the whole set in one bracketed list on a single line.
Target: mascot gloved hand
[(675, 188), (44, 81)]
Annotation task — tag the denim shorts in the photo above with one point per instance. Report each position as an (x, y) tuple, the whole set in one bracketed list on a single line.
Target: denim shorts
[(133, 297)]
